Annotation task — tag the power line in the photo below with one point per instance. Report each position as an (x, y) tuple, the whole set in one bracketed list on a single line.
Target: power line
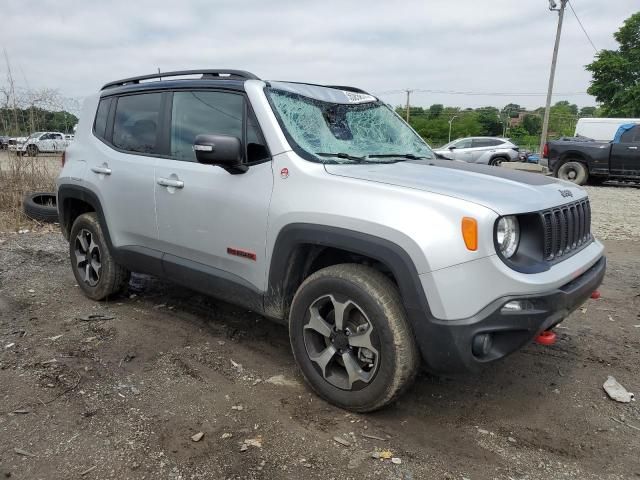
[(582, 27), (470, 93)]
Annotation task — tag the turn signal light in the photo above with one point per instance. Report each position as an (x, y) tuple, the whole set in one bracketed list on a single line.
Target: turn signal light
[(470, 233)]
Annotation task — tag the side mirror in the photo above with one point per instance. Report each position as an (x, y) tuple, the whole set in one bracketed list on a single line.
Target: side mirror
[(444, 156), (222, 150), (452, 147)]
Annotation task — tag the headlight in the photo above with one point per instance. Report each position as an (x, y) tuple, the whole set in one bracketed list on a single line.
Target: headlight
[(508, 235)]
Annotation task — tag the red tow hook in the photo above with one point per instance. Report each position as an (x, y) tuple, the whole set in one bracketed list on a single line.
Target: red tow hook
[(596, 294), (547, 337)]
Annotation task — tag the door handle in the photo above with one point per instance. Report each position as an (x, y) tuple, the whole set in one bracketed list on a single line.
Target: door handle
[(169, 182), (101, 170), (632, 148)]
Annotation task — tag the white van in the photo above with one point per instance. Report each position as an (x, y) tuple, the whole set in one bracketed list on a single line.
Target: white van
[(601, 129)]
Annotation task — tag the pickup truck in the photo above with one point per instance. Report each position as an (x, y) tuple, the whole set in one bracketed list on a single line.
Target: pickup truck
[(582, 160), (42, 142)]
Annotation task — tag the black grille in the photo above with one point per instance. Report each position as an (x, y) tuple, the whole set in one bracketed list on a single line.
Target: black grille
[(566, 229)]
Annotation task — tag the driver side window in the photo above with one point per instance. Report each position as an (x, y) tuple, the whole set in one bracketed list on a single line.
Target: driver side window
[(195, 113), (466, 143)]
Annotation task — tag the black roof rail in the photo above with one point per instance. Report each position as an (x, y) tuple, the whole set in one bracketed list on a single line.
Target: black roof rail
[(206, 74)]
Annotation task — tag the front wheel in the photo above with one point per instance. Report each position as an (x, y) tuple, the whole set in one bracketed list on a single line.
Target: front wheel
[(574, 172), (96, 272), (351, 338), (32, 151)]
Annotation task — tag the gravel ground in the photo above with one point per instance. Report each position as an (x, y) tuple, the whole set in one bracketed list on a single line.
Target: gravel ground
[(616, 212), (120, 396)]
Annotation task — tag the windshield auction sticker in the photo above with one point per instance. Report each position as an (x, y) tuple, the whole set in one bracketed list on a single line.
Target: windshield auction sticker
[(355, 97)]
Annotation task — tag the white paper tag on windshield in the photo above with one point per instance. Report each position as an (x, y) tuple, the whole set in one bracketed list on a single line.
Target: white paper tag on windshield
[(355, 97)]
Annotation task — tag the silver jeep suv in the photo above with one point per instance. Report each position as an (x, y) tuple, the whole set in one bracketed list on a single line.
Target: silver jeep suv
[(320, 208)]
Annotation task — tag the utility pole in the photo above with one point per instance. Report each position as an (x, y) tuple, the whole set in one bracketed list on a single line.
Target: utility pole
[(408, 96), (545, 122), (450, 122)]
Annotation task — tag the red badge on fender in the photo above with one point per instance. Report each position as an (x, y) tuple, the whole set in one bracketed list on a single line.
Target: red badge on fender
[(284, 173)]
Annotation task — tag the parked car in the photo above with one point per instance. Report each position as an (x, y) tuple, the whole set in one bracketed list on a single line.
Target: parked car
[(43, 142), (286, 199), (595, 162), (601, 129), (484, 150), (14, 142)]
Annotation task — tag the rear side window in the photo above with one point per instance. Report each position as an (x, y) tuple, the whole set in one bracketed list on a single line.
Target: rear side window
[(195, 113), (486, 142), (100, 123), (631, 136), (135, 127)]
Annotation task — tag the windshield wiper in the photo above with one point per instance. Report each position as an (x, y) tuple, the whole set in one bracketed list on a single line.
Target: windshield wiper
[(410, 156), (341, 155)]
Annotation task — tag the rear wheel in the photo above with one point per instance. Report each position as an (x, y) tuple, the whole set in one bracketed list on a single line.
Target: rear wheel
[(96, 272), (497, 161), (351, 339), (575, 172)]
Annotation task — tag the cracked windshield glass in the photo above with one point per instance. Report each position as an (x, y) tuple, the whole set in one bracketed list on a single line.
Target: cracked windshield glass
[(347, 132)]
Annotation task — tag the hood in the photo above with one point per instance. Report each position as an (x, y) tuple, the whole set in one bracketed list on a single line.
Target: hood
[(503, 190)]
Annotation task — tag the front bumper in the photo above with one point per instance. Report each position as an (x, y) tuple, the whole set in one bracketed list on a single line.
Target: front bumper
[(447, 345)]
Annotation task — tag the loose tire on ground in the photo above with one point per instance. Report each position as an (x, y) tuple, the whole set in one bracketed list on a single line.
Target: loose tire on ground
[(41, 206), (374, 313), (96, 272), (575, 172)]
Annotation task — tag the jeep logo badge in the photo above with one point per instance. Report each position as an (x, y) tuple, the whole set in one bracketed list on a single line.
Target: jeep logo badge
[(566, 193)]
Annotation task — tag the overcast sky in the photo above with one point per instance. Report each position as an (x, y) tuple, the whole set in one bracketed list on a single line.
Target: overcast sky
[(482, 46)]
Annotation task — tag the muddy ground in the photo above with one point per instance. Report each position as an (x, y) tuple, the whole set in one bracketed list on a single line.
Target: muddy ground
[(120, 396)]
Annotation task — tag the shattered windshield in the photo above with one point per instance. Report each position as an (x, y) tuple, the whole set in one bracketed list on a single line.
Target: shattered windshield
[(336, 132)]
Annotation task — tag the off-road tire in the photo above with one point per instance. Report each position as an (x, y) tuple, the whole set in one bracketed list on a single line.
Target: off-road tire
[(573, 171), (113, 277), (380, 300), (497, 161), (41, 206)]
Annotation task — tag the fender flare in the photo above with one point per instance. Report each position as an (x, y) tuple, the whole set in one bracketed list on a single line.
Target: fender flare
[(570, 156), (77, 192), (293, 236)]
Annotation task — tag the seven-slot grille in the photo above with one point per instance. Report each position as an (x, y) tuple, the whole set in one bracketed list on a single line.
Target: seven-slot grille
[(566, 229)]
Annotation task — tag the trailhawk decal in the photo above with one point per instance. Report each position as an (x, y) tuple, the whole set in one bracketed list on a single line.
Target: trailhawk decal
[(239, 252)]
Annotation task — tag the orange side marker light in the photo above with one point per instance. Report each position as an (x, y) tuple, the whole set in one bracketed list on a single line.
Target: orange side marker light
[(470, 233)]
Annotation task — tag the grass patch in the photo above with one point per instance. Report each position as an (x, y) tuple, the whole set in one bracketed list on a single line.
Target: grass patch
[(18, 176)]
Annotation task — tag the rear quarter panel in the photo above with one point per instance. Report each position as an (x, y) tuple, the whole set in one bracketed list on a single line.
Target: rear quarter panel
[(594, 154)]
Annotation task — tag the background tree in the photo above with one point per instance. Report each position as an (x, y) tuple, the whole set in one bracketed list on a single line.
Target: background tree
[(435, 110), (489, 118), (616, 73), (589, 112), (511, 110), (532, 124)]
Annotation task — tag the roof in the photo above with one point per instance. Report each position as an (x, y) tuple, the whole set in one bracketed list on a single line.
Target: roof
[(222, 78)]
